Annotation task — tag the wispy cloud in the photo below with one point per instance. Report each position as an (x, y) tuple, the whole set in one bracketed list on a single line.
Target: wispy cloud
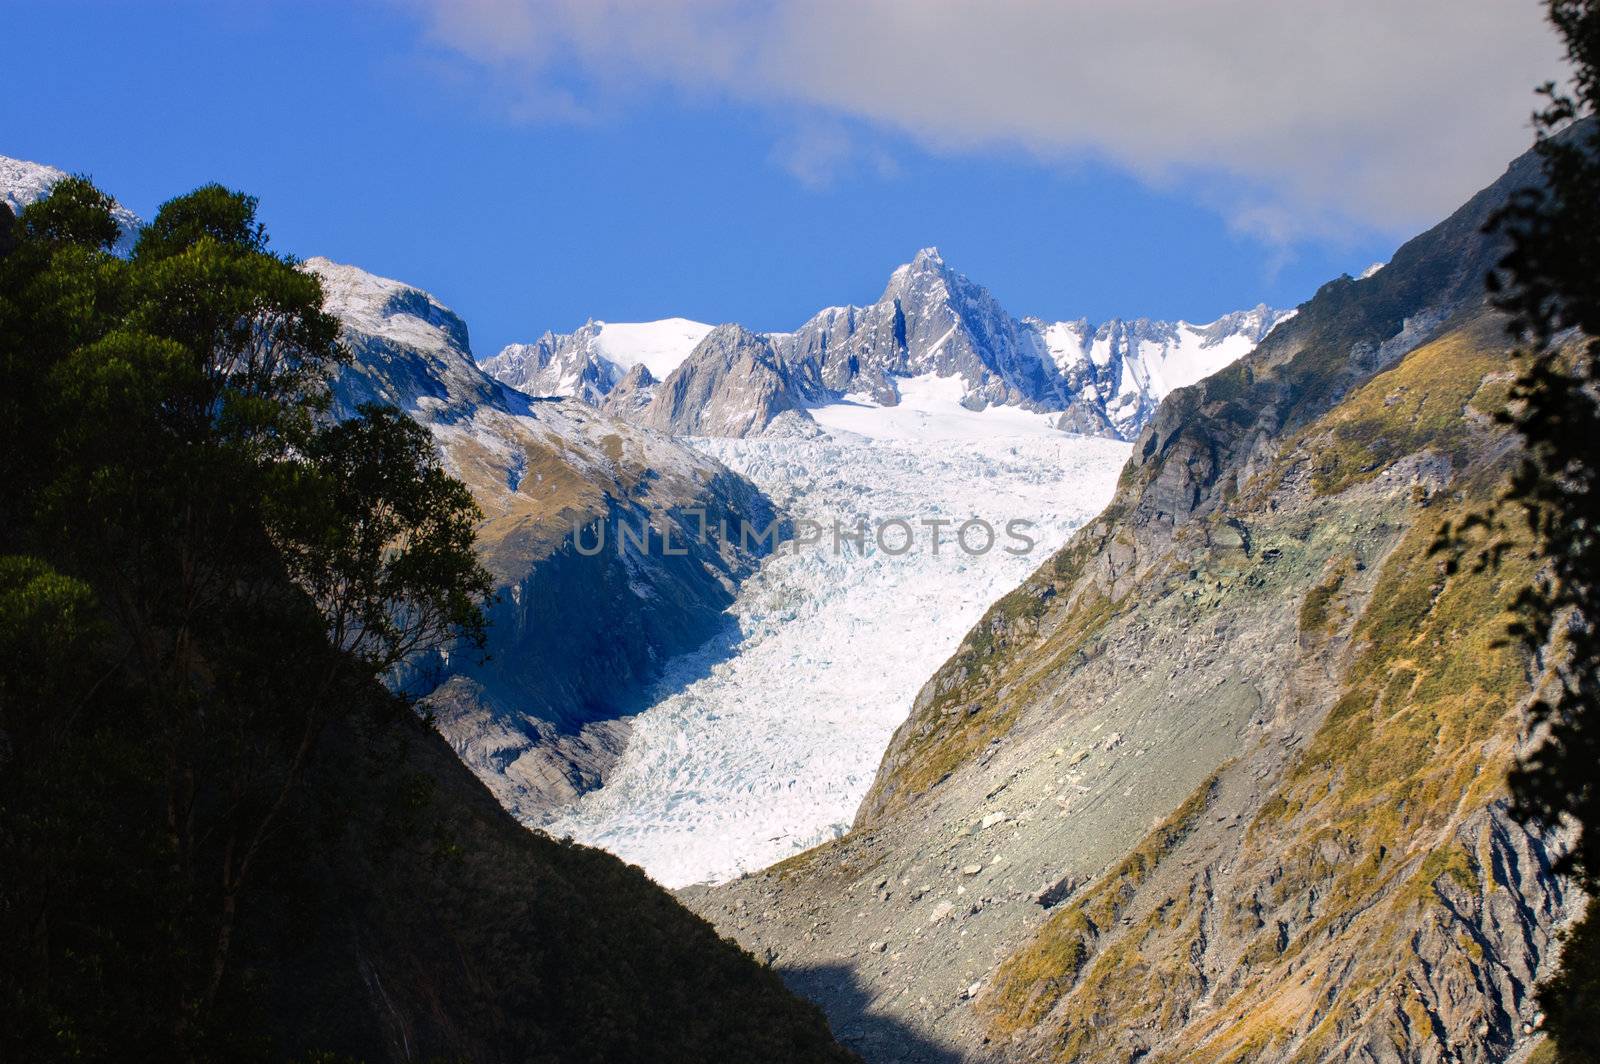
[(818, 154), (1364, 113)]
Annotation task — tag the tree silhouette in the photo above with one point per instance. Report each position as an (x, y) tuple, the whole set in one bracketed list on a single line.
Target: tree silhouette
[(1548, 283)]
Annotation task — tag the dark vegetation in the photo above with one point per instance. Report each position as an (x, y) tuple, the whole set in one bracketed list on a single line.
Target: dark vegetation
[(1549, 284), (221, 837)]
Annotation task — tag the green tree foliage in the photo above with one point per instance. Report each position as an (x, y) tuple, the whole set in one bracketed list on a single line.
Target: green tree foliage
[(381, 539), (1549, 284), (199, 572)]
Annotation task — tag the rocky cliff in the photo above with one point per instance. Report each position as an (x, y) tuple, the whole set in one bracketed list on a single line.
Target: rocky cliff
[(733, 384), (1224, 780), (930, 321), (542, 717)]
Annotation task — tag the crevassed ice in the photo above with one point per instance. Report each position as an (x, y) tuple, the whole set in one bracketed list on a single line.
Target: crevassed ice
[(764, 743)]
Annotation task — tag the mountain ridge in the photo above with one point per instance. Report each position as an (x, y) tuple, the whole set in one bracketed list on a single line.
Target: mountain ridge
[(397, 911), (1103, 379), (1224, 780), (541, 720), (537, 722), (22, 182)]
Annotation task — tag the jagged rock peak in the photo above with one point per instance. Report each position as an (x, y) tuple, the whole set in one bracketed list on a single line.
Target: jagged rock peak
[(930, 320)]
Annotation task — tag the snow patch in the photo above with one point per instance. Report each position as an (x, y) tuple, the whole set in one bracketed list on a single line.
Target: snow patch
[(930, 409), (660, 345)]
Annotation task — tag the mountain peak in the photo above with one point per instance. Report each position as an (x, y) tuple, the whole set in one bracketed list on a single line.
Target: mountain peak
[(23, 182), (927, 278), (384, 306), (931, 320), (730, 334)]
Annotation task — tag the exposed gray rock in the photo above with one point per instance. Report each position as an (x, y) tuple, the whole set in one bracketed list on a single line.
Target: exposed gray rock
[(540, 720), (557, 364), (1199, 680), (631, 396), (733, 384), (931, 319), (1101, 380)]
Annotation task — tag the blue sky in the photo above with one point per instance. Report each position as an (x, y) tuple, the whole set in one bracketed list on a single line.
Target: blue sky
[(377, 134)]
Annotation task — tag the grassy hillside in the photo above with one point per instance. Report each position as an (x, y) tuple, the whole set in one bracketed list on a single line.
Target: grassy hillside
[(1224, 779), (1204, 442), (1357, 906)]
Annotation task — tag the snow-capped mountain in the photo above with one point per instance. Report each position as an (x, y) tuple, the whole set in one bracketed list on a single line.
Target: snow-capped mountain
[(538, 722), (22, 183), (591, 362), (1123, 369), (410, 350), (930, 322), (733, 384)]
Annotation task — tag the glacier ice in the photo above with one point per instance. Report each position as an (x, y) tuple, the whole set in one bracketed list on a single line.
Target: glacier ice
[(764, 742)]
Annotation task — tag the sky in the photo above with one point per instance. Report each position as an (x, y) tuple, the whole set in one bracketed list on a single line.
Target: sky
[(535, 163)]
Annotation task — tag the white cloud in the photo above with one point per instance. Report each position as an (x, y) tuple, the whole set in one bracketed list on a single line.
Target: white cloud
[(818, 154), (1308, 116)]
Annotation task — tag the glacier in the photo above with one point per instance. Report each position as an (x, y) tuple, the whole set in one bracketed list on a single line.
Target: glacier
[(933, 403), (762, 743)]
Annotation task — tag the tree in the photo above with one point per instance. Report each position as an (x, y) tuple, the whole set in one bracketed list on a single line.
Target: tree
[(1549, 284), (225, 571)]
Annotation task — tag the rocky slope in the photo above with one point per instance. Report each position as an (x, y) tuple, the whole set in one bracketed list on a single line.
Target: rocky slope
[(734, 383), (540, 720), (931, 321), (1224, 779)]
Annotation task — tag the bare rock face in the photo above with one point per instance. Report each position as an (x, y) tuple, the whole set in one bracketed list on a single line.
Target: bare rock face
[(930, 319), (733, 384), (632, 394), (555, 364), (540, 720), (1101, 380), (1249, 738)]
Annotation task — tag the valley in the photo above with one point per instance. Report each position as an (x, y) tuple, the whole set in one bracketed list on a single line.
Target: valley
[(517, 546), (762, 743), (1196, 735)]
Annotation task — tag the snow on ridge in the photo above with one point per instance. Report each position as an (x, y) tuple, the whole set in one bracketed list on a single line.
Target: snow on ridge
[(384, 307), (1105, 378), (660, 345), (23, 182)]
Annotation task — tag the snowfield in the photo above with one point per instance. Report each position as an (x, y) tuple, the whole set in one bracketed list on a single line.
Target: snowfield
[(660, 345), (930, 412), (764, 742)]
